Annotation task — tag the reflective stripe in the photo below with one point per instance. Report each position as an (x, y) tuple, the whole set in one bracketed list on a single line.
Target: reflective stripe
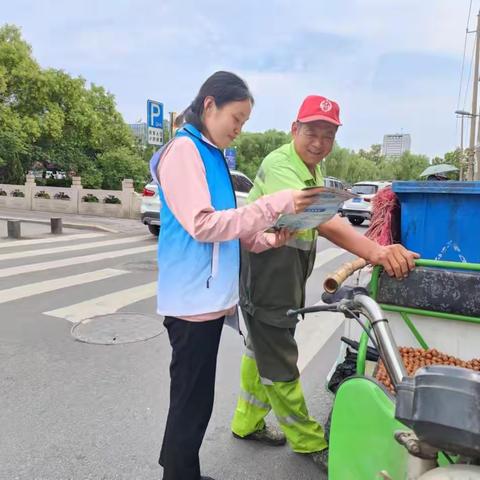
[(265, 381), (291, 419), (249, 353), (252, 400), (300, 244)]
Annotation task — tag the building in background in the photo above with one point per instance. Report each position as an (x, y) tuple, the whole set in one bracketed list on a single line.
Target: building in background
[(394, 145), (140, 132)]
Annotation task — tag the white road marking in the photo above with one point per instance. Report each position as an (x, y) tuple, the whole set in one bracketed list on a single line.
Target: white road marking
[(72, 248), (105, 304), (315, 330), (313, 333), (31, 289), (327, 255), (39, 241), (68, 262)]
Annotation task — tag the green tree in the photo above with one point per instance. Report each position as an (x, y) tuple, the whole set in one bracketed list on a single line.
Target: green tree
[(456, 157), (119, 164), (338, 162), (15, 174), (374, 154), (354, 167), (360, 169), (47, 116), (252, 148), (437, 160), (410, 166)]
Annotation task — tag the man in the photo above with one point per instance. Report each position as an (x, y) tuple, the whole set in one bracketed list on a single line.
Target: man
[(274, 281)]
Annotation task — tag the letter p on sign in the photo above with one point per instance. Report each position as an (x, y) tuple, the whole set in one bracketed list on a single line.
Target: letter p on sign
[(154, 114)]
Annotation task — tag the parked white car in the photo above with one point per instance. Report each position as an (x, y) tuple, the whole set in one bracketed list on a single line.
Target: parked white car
[(359, 209), (150, 208), (332, 182)]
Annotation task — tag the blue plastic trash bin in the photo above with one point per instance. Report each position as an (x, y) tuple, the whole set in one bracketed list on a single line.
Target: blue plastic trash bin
[(441, 219)]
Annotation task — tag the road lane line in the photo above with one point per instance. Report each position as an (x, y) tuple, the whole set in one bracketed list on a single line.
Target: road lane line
[(327, 255), (316, 329), (313, 333), (39, 241), (105, 304), (31, 289), (68, 262), (73, 248)]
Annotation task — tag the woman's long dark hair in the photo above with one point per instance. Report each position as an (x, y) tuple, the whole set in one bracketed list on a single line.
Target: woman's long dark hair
[(224, 87)]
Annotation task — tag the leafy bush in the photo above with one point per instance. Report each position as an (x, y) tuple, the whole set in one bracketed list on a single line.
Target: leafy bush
[(89, 198), (17, 193), (3, 193), (61, 196), (53, 182), (42, 194), (112, 199)]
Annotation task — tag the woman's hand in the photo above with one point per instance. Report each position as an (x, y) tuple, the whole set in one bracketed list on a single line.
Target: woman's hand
[(279, 238)]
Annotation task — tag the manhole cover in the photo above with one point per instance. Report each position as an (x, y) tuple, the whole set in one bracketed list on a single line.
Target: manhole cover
[(118, 328)]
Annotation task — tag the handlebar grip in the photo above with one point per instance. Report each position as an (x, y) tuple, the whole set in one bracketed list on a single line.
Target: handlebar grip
[(335, 280)]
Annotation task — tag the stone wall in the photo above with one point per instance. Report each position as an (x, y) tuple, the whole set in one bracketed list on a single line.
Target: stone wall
[(123, 203)]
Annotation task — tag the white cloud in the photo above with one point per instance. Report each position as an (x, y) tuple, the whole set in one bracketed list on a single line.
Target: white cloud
[(367, 54)]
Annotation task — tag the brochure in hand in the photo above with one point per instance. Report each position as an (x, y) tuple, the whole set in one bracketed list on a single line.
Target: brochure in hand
[(325, 207)]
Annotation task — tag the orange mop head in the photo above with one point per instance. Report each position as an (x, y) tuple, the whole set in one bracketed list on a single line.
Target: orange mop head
[(385, 222)]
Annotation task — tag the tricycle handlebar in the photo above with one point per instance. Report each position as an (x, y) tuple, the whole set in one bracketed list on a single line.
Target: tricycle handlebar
[(356, 300)]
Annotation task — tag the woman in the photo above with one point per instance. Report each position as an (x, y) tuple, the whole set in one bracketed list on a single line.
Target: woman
[(198, 256)]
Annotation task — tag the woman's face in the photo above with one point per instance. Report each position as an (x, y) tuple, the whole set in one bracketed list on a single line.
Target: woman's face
[(224, 124)]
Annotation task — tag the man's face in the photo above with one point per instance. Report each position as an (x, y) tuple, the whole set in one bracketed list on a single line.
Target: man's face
[(313, 141)]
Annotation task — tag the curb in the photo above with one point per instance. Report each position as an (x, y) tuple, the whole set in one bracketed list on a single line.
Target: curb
[(79, 226)]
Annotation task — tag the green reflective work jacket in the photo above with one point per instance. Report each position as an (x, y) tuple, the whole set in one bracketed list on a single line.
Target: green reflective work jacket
[(274, 281)]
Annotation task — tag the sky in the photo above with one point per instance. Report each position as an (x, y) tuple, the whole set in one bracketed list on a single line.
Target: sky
[(393, 66)]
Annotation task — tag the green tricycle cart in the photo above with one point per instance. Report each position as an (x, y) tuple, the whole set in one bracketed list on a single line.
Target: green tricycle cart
[(423, 426)]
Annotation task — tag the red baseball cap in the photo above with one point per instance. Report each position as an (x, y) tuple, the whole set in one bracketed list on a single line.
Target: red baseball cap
[(315, 107)]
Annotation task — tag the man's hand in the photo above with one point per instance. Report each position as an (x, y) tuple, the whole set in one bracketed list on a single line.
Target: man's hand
[(279, 238), (304, 198), (395, 259)]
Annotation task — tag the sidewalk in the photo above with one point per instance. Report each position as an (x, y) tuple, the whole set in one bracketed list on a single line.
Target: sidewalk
[(82, 222)]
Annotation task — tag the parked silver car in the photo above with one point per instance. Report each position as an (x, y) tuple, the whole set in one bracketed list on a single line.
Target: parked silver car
[(150, 208)]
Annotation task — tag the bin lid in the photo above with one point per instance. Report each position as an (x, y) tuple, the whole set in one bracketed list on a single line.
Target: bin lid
[(438, 186)]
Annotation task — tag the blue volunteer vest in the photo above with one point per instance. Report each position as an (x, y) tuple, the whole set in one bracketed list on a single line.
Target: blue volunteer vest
[(196, 277)]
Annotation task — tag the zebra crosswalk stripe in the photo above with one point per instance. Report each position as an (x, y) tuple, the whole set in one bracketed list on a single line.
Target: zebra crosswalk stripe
[(57, 239), (327, 255), (68, 262), (104, 304), (31, 289), (72, 248)]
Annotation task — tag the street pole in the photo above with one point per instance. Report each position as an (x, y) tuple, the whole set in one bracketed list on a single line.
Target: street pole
[(464, 152), (471, 153), (461, 150)]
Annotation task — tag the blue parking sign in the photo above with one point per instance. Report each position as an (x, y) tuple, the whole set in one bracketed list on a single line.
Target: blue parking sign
[(154, 114), (154, 122)]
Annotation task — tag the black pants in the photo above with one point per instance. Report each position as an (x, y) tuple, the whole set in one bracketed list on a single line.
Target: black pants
[(192, 387)]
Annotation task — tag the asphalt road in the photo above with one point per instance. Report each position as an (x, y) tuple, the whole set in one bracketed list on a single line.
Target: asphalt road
[(74, 410)]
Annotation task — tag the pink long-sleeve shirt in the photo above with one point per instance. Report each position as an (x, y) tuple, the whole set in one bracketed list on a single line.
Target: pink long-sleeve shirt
[(183, 181)]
